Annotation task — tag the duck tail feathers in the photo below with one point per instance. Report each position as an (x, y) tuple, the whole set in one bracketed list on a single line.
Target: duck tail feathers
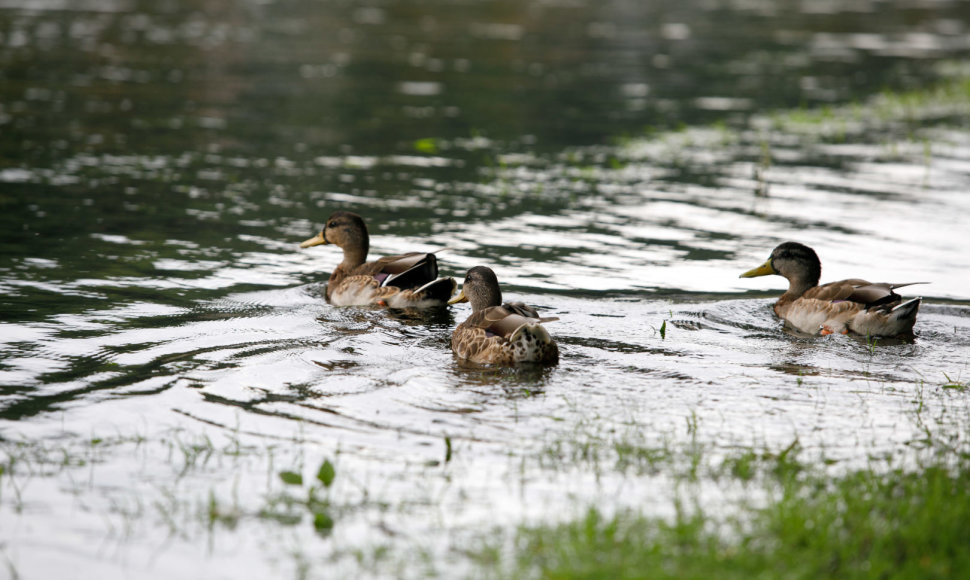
[(907, 309), (440, 289), (412, 272)]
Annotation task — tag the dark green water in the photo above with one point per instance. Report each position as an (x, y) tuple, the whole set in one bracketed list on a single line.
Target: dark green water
[(617, 163)]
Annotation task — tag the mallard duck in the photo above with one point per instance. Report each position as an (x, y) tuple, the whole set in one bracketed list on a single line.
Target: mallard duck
[(497, 333), (848, 305), (406, 280)]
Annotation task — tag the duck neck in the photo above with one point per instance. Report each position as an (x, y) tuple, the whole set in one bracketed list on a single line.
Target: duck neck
[(485, 296), (353, 258), (355, 252), (799, 286)]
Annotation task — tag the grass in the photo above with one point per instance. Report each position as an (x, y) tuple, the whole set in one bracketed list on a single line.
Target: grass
[(867, 523), (860, 526), (901, 120), (900, 125), (954, 383), (948, 97)]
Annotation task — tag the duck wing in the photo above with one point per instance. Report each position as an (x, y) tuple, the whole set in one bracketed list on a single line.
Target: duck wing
[(410, 271), (506, 319), (880, 295), (867, 294), (834, 291), (407, 271), (522, 309)]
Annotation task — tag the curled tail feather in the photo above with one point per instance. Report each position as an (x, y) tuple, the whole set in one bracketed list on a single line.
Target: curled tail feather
[(907, 309), (440, 289)]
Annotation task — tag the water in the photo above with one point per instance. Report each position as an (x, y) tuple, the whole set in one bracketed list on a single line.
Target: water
[(166, 351)]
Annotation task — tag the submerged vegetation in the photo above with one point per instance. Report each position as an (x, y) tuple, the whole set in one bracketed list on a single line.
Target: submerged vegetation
[(865, 524), (944, 101), (730, 511), (780, 516)]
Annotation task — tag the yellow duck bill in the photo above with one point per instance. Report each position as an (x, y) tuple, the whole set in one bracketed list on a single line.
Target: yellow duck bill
[(316, 240), (459, 298), (762, 270)]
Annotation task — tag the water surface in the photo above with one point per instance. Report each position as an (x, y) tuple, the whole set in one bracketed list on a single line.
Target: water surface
[(165, 351)]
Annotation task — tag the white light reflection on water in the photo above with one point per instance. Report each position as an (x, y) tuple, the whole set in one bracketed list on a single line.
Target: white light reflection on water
[(155, 387)]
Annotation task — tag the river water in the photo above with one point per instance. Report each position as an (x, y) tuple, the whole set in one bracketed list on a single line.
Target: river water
[(165, 349)]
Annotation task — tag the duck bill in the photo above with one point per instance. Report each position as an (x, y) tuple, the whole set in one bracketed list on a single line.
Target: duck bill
[(459, 298), (762, 270), (314, 241)]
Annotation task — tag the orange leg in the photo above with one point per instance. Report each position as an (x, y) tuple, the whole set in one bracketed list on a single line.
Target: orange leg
[(826, 330)]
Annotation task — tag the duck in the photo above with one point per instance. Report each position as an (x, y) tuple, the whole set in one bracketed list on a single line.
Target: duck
[(401, 281), (497, 333), (853, 305)]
